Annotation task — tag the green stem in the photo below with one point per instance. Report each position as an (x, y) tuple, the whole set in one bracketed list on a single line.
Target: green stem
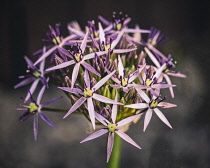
[(114, 160)]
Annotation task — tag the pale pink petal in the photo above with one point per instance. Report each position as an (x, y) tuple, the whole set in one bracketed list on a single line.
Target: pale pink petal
[(114, 109), (95, 135), (115, 42), (76, 105), (161, 86), (127, 138), (127, 120), (158, 72), (84, 42), (102, 81), (126, 89), (177, 75), (24, 82), (91, 111), (152, 57), (116, 86), (32, 89), (35, 126), (46, 54), (138, 105), (63, 65), (87, 78), (101, 34), (105, 99), (100, 118), (120, 67), (168, 80), (71, 90), (155, 50), (92, 55), (166, 105), (122, 51), (42, 64), (143, 94), (75, 31), (75, 74), (136, 31), (147, 118), (162, 117), (90, 68), (39, 97), (110, 144), (104, 21)]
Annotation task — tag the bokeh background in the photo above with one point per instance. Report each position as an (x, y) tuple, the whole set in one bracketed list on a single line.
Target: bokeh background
[(187, 26)]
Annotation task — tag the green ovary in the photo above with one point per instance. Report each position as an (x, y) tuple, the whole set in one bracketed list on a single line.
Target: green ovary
[(36, 74), (153, 104), (87, 92), (32, 108), (124, 82), (56, 40), (148, 82), (112, 127), (77, 57)]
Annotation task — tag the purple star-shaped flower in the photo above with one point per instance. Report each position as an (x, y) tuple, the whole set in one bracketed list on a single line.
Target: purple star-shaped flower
[(152, 105), (88, 94), (112, 128), (35, 109), (35, 74)]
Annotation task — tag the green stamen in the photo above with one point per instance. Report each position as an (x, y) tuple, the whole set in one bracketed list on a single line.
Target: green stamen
[(148, 82), (32, 107), (124, 82), (56, 40), (78, 57)]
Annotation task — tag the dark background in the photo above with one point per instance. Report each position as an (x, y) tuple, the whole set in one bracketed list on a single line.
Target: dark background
[(187, 26)]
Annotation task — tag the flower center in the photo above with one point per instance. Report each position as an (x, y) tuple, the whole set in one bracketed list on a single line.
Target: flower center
[(87, 92), (112, 127), (107, 47), (37, 74), (124, 82), (78, 57), (56, 40), (32, 107), (148, 82), (153, 104), (153, 42)]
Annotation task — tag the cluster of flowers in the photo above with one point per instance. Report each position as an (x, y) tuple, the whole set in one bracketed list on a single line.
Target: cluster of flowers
[(104, 72)]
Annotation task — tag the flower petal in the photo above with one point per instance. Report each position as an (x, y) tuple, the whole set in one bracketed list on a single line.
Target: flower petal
[(105, 99), (166, 105), (84, 42), (143, 95), (100, 118), (63, 65), (87, 78), (95, 135), (138, 105), (152, 57), (120, 67), (162, 117), (101, 33), (24, 82), (75, 74), (169, 82), (73, 90), (127, 138), (121, 51), (127, 120), (46, 119), (110, 144), (32, 89), (116, 86), (147, 118), (46, 54), (102, 81), (76, 105), (35, 126), (114, 109), (51, 101), (91, 111), (90, 68)]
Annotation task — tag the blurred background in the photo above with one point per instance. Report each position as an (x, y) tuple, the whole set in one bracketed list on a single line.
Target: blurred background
[(187, 26)]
